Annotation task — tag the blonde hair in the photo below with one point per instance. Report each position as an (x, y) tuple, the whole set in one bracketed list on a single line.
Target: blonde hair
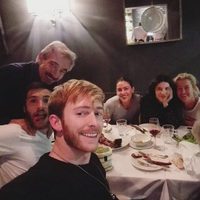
[(192, 80), (60, 48), (71, 91)]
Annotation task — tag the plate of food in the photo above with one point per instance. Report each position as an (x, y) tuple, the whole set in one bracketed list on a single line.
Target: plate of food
[(149, 162), (188, 136), (141, 141), (124, 143), (141, 164), (147, 146), (114, 142)]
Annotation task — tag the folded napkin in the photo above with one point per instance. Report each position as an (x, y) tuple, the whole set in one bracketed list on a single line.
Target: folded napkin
[(191, 160)]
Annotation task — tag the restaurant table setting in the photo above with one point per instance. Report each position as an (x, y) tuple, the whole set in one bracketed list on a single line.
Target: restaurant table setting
[(141, 170)]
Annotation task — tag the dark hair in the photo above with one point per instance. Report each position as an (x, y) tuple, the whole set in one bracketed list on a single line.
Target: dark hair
[(35, 86), (161, 78), (125, 79)]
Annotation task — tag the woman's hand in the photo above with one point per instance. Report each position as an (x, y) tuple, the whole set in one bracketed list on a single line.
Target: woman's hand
[(167, 99)]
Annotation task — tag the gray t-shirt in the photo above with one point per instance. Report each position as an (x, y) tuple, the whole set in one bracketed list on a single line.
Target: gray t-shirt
[(117, 111)]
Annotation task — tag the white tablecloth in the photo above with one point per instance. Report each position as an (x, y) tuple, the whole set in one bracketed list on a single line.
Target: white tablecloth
[(128, 182)]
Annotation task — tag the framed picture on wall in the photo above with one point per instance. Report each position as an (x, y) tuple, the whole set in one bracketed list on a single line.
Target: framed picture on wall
[(152, 23)]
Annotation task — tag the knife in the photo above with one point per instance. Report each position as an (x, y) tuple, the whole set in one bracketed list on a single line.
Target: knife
[(146, 155), (139, 128), (160, 163)]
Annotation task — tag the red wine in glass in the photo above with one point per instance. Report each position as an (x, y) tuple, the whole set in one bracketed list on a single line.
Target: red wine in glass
[(154, 132)]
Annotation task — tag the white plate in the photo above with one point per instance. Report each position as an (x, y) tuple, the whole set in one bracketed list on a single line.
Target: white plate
[(125, 142), (114, 134), (141, 139), (148, 146), (146, 166)]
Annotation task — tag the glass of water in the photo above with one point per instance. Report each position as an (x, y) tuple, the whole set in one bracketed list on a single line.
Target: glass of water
[(168, 133), (121, 126)]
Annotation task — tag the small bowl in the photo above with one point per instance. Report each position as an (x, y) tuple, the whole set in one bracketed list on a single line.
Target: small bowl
[(103, 151), (104, 154), (140, 140)]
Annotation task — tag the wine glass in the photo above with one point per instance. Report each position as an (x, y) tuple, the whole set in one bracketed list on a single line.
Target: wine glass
[(196, 133), (106, 118), (155, 128)]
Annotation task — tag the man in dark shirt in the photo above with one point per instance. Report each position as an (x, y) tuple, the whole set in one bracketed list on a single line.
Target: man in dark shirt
[(50, 66), (70, 170)]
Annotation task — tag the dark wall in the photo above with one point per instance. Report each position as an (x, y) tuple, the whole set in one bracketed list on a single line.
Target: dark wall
[(96, 33)]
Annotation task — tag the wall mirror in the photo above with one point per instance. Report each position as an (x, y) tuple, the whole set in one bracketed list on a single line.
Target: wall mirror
[(151, 21)]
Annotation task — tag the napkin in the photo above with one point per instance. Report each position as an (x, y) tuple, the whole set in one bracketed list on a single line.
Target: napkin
[(191, 160)]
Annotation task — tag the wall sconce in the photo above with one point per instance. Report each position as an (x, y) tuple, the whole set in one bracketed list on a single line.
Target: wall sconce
[(51, 9)]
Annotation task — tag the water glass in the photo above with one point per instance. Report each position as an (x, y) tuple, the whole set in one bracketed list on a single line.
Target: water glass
[(121, 126), (154, 120), (168, 133), (106, 118)]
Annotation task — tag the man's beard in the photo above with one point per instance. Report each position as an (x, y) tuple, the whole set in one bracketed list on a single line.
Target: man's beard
[(31, 122), (69, 137)]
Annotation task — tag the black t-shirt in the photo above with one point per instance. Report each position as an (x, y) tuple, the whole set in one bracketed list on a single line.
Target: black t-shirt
[(51, 179)]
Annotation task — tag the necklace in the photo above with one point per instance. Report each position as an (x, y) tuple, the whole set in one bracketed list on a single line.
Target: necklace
[(113, 196)]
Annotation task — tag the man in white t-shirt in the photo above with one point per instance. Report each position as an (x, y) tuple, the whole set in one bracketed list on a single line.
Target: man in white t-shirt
[(20, 149)]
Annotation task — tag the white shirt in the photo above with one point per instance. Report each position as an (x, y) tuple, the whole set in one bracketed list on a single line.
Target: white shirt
[(19, 151), (194, 113)]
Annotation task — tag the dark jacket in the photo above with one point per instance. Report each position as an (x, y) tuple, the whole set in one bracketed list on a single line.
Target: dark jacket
[(172, 114)]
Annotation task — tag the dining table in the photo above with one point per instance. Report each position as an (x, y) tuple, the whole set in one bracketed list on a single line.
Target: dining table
[(130, 181)]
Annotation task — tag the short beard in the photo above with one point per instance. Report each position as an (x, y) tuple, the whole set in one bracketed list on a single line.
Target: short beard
[(31, 123), (29, 119), (69, 138)]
